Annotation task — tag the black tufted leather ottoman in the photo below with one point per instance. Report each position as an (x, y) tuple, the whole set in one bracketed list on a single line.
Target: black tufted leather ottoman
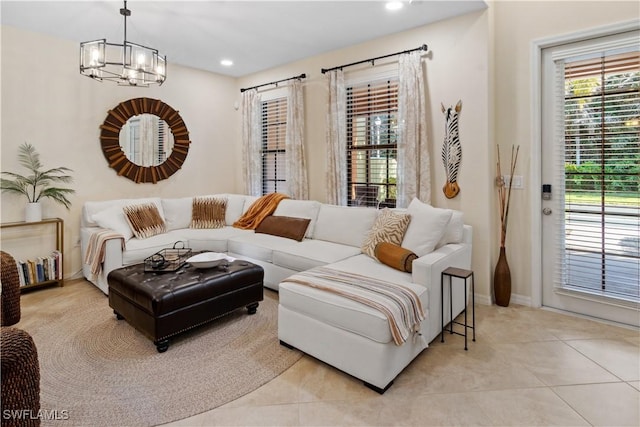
[(161, 305)]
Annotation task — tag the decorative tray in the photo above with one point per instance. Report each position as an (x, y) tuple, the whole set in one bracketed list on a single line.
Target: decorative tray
[(167, 260)]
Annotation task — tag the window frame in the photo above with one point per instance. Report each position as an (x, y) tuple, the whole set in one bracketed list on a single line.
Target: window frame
[(537, 70), (359, 107), (268, 129)]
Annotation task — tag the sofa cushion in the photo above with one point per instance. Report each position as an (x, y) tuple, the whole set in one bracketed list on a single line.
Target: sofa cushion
[(91, 208), (395, 256), (312, 253), (208, 212), (284, 226), (235, 207), (300, 209), (426, 228), (138, 249), (248, 201), (344, 224), (388, 227), (259, 246), (344, 313), (145, 220), (210, 239), (113, 218), (454, 230), (177, 212)]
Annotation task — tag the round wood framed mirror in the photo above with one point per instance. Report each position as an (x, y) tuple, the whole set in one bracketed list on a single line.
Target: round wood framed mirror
[(110, 140)]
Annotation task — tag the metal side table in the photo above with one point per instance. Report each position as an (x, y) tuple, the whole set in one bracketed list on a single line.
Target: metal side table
[(459, 273)]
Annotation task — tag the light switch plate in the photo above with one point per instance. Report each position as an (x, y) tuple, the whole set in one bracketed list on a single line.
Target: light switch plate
[(518, 181)]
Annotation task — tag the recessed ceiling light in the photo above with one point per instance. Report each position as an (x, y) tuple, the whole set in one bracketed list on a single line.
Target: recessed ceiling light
[(226, 62), (394, 5)]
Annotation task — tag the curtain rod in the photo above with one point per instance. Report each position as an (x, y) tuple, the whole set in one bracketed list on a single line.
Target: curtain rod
[(340, 67), (300, 77)]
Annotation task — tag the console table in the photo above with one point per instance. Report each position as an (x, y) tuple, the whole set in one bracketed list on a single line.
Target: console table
[(58, 223)]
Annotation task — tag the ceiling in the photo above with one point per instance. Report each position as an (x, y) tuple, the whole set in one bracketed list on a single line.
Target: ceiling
[(255, 35)]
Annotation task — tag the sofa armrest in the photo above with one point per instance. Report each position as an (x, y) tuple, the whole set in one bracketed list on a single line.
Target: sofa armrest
[(113, 258), (427, 271)]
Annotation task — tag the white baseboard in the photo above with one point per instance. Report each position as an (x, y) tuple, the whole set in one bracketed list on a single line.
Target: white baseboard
[(515, 299)]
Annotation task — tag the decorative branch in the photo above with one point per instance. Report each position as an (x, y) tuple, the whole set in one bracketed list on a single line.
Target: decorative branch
[(504, 191)]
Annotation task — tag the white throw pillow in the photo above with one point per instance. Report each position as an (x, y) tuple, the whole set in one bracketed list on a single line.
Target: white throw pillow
[(427, 226), (299, 209), (177, 212), (348, 225), (114, 219), (235, 207), (454, 231)]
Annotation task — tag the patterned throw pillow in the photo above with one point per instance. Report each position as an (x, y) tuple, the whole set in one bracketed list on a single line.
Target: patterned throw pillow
[(145, 220), (208, 212), (389, 227)]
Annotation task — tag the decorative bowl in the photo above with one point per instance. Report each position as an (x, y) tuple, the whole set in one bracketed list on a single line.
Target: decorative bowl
[(207, 259)]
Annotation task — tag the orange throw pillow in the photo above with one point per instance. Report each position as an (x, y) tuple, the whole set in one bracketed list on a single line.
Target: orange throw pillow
[(395, 256)]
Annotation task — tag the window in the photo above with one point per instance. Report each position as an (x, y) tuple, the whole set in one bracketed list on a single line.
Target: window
[(372, 125), (274, 125), (602, 173)]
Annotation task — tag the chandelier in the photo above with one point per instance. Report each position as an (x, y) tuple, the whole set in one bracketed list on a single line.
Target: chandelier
[(128, 64)]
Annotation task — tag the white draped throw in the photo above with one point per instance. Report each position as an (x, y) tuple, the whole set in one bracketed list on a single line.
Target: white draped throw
[(414, 171), (336, 125), (296, 168), (251, 142)]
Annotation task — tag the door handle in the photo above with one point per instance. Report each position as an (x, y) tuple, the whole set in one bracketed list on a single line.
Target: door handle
[(547, 211)]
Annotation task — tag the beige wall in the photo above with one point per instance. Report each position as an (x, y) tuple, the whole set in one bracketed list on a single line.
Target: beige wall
[(516, 26), (59, 112)]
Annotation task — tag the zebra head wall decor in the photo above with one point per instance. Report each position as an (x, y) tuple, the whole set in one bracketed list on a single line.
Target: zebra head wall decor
[(451, 150)]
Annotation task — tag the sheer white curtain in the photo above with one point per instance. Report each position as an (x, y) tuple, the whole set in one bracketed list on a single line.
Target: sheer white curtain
[(296, 177), (336, 125), (414, 170), (251, 140)]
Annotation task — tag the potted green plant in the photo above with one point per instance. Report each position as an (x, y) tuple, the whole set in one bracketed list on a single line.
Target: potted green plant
[(38, 184)]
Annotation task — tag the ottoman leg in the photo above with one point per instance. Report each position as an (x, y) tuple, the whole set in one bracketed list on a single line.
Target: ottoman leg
[(118, 315), (252, 308), (162, 345)]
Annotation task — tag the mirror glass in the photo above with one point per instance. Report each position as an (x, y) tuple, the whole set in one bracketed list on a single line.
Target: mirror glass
[(146, 140)]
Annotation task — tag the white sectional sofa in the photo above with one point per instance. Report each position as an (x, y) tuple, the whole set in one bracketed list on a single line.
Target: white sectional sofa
[(341, 332)]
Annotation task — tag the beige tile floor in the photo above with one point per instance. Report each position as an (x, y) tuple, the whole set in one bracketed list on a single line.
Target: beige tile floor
[(527, 367)]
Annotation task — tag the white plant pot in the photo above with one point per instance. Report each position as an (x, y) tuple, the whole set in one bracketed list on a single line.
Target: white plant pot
[(33, 212)]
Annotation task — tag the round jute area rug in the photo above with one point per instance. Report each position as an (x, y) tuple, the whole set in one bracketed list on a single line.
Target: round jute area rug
[(96, 370)]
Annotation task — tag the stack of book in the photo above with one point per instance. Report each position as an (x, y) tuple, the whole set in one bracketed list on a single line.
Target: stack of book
[(41, 269)]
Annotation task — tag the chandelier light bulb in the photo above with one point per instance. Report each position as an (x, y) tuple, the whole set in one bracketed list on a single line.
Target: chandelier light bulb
[(95, 56), (394, 5), (141, 60)]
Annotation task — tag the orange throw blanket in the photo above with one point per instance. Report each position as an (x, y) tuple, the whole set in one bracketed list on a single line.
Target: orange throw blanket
[(259, 210)]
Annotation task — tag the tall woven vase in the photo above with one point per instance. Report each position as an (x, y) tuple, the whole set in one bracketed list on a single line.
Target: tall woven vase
[(502, 280)]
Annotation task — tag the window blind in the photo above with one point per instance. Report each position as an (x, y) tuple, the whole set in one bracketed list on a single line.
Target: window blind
[(601, 162), (372, 126), (274, 124)]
